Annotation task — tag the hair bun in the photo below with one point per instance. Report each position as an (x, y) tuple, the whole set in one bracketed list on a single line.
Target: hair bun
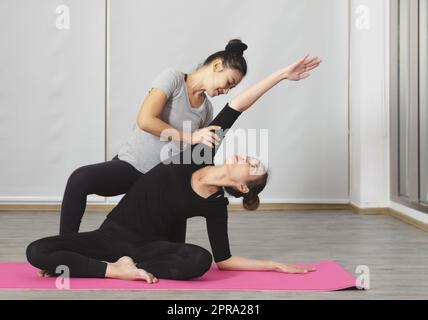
[(236, 46), (251, 203)]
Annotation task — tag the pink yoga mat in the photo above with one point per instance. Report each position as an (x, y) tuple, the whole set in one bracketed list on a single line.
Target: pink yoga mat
[(329, 276)]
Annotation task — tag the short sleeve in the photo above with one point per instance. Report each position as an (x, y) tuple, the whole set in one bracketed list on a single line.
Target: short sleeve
[(168, 81), (218, 236)]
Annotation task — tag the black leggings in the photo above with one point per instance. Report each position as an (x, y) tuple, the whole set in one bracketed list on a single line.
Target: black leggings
[(110, 178), (86, 254)]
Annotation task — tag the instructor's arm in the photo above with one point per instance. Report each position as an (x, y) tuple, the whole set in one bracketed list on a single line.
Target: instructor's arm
[(149, 120)]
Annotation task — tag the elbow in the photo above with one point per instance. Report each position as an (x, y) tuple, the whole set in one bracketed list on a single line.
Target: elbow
[(235, 105), (143, 123), (222, 265)]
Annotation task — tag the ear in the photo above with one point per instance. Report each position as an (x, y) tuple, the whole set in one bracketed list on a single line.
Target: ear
[(242, 187), (217, 65)]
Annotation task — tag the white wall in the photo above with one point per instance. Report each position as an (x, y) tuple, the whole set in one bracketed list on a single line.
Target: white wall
[(369, 101), (51, 95), (307, 121), (52, 86)]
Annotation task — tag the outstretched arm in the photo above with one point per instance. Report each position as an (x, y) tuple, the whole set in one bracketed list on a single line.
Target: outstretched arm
[(245, 264), (295, 72)]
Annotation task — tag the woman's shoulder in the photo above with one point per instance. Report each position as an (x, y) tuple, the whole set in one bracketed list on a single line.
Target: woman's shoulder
[(169, 81), (172, 73)]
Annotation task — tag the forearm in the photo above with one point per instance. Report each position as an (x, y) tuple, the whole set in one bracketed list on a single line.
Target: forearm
[(245, 264), (164, 130), (247, 98)]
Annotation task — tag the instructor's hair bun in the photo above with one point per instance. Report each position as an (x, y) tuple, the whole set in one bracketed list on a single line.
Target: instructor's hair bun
[(251, 203), (232, 56), (236, 46)]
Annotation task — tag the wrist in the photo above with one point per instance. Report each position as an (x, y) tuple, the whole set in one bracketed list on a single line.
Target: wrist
[(187, 137), (283, 74), (272, 265)]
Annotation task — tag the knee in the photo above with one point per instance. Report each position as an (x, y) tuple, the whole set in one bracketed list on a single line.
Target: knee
[(35, 254), (202, 263), (79, 179)]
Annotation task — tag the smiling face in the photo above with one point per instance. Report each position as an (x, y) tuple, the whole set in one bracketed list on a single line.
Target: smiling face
[(244, 169), (221, 79)]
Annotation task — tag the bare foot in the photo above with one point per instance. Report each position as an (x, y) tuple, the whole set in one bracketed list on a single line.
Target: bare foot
[(125, 269), (44, 273)]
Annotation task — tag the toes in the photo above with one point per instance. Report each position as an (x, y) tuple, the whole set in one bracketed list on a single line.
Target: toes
[(154, 279), (43, 273), (150, 278)]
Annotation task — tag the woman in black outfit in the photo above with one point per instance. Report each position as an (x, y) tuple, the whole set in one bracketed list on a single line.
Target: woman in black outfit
[(135, 233), (169, 103)]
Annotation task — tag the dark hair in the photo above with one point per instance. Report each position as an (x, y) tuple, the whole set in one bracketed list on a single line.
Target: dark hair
[(232, 56), (250, 199)]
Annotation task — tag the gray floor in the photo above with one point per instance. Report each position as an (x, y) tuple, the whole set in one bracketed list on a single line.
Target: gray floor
[(396, 253)]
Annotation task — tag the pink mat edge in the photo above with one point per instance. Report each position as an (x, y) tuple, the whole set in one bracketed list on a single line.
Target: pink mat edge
[(354, 287)]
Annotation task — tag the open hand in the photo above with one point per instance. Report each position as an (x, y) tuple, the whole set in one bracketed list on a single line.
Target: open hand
[(206, 136), (288, 268), (299, 70)]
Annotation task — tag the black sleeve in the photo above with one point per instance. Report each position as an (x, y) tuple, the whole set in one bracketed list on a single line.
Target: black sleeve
[(225, 119), (201, 153), (217, 235)]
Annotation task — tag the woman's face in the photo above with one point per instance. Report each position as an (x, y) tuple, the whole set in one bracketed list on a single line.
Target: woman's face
[(244, 169), (221, 79)]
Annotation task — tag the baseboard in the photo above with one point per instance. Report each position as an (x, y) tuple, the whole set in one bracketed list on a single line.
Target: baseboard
[(410, 220), (232, 207), (393, 213), (238, 207), (356, 209), (293, 206)]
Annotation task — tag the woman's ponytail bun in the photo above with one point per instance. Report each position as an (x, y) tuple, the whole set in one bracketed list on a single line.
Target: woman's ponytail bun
[(251, 203), (232, 56), (236, 46)]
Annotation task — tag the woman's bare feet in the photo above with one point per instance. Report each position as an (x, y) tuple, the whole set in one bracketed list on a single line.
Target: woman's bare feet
[(44, 273), (125, 269)]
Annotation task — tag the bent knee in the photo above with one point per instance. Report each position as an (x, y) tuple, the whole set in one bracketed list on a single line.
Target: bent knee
[(79, 178), (202, 263), (36, 253)]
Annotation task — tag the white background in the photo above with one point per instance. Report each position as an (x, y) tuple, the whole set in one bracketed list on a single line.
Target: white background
[(52, 86)]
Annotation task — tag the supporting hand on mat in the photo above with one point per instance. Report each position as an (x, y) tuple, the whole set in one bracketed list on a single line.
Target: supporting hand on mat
[(299, 70), (288, 268)]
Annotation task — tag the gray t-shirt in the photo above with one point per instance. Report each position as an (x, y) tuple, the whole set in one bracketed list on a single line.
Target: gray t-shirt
[(144, 150)]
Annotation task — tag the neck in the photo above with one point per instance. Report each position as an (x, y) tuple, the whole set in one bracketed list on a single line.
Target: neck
[(195, 82), (210, 179)]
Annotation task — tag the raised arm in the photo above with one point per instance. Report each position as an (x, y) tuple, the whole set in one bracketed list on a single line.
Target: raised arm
[(295, 72)]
